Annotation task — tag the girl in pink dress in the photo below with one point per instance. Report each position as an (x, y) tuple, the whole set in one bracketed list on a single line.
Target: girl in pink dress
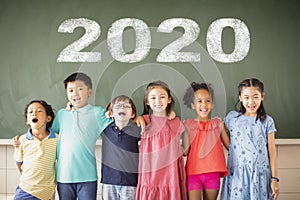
[(161, 166)]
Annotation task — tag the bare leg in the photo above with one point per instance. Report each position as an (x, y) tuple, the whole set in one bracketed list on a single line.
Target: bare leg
[(194, 195), (210, 194)]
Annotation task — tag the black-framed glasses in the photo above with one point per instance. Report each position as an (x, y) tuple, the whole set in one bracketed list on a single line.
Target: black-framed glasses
[(121, 105)]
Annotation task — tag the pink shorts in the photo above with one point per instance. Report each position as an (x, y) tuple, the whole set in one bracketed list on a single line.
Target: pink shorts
[(210, 181)]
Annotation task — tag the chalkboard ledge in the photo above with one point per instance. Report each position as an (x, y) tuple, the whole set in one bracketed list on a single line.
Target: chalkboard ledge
[(277, 141), (287, 141)]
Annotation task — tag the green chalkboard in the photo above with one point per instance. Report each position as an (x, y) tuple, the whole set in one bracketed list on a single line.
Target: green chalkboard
[(30, 45)]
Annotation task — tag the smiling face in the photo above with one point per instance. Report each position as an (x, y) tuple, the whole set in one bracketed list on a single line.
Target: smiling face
[(158, 100), (122, 111), (251, 98), (78, 93), (37, 117), (202, 104)]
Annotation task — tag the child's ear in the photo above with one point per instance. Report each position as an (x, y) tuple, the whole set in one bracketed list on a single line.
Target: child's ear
[(90, 92), (109, 114), (192, 106), (262, 96), (132, 116), (240, 98), (169, 100), (49, 118)]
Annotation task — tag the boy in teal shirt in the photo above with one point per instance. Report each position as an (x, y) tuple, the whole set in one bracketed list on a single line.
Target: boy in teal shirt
[(78, 131)]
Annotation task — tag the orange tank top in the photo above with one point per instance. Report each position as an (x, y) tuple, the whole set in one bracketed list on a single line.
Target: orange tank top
[(206, 151)]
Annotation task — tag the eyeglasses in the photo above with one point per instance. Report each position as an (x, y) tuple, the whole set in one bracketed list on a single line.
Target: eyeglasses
[(121, 105)]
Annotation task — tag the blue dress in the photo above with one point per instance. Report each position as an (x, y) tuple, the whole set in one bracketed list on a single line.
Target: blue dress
[(248, 163)]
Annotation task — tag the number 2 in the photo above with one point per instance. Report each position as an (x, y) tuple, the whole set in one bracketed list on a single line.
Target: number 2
[(72, 52)]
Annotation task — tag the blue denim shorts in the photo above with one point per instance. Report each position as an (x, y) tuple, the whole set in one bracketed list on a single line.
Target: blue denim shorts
[(118, 192), (21, 194), (82, 191)]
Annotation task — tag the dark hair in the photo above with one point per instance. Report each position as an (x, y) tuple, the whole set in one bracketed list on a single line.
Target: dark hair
[(78, 76), (122, 98), (48, 108), (164, 86), (253, 82), (189, 95)]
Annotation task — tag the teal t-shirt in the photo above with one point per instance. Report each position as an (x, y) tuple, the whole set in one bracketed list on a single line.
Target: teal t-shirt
[(78, 132)]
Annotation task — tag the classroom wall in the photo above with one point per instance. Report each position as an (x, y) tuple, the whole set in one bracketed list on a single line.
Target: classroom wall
[(288, 169), (31, 44)]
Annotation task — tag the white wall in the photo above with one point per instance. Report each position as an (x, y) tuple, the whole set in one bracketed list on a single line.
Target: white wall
[(288, 167)]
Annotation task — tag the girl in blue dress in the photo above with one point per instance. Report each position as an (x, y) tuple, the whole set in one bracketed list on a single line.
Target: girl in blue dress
[(252, 159)]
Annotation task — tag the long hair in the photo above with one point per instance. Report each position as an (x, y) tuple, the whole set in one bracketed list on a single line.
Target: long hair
[(163, 85), (253, 82)]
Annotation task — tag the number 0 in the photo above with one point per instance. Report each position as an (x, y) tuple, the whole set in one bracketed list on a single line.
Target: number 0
[(214, 40), (115, 40)]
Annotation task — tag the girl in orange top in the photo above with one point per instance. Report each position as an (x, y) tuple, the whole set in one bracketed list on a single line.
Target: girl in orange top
[(205, 158)]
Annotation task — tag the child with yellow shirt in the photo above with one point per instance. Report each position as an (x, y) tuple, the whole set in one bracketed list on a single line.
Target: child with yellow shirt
[(36, 155)]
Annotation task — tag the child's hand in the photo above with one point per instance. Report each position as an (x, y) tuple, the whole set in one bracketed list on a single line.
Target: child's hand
[(107, 114), (172, 115), (69, 106), (275, 189), (15, 141), (139, 120)]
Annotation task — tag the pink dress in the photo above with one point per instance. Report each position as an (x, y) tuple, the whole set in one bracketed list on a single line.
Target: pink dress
[(161, 166)]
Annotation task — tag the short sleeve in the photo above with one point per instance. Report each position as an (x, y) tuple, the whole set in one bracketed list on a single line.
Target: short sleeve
[(229, 116), (102, 120), (56, 125), (269, 125)]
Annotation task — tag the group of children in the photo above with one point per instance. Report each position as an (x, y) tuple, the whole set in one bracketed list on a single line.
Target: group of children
[(155, 168)]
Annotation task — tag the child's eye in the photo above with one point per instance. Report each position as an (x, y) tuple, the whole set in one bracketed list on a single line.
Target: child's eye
[(70, 91)]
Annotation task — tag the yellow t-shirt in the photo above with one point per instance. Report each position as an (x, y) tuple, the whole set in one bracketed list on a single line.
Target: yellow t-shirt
[(38, 160)]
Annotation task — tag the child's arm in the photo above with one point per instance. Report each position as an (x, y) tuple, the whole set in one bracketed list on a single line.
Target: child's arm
[(172, 115), (224, 136), (186, 141), (273, 163), (18, 153), (19, 165), (139, 120), (15, 141)]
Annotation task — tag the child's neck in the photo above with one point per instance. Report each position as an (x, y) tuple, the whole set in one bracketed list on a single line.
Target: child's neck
[(121, 124), (159, 114), (203, 119), (40, 134), (77, 108)]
